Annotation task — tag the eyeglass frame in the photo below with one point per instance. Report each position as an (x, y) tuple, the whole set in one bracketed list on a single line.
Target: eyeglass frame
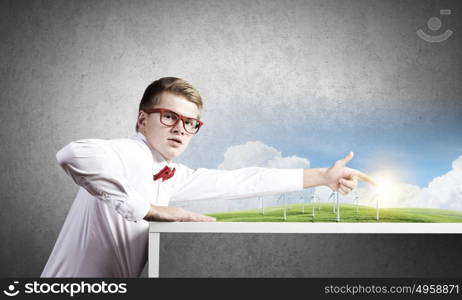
[(180, 117)]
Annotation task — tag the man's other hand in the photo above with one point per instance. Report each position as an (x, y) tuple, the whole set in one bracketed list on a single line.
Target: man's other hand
[(175, 214)]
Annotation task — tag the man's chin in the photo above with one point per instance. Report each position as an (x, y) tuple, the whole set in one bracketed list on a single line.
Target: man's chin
[(171, 155)]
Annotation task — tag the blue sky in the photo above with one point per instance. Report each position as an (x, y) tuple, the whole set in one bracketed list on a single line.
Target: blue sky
[(423, 151)]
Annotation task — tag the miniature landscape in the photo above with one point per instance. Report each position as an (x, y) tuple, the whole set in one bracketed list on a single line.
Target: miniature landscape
[(348, 213)]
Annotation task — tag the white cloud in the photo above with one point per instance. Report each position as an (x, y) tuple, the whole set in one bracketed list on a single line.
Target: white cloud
[(257, 154), (445, 191)]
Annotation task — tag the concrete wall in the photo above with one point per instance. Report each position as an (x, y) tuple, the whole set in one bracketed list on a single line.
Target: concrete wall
[(309, 255), (77, 69)]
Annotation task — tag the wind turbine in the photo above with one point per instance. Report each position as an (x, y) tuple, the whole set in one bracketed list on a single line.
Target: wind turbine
[(319, 204), (332, 196), (356, 200), (384, 191), (261, 205), (335, 205), (283, 197), (338, 208), (313, 202)]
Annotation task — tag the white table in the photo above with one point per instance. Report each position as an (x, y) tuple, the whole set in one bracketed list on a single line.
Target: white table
[(156, 228)]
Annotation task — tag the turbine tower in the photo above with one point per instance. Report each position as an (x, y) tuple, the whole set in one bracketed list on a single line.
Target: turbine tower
[(261, 205), (356, 200), (283, 197), (313, 202), (332, 196), (338, 208)]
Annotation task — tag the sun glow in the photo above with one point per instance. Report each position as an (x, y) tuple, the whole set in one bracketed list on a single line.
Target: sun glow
[(386, 187)]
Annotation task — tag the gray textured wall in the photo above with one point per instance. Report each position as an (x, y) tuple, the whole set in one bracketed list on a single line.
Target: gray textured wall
[(77, 69), (309, 255)]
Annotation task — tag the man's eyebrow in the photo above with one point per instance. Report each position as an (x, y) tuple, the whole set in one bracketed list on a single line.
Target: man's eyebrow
[(190, 117), (198, 117), (174, 111)]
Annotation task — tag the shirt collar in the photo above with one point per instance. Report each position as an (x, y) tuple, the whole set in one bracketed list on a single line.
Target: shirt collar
[(159, 161)]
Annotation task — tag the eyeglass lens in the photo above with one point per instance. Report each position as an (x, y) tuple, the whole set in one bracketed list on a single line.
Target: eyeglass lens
[(170, 118)]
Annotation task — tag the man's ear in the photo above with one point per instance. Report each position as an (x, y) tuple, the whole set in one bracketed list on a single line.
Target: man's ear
[(141, 119)]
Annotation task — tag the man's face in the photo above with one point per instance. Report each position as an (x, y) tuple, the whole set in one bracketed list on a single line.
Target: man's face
[(170, 142)]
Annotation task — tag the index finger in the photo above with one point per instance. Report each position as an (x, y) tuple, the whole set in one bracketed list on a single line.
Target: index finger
[(365, 177)]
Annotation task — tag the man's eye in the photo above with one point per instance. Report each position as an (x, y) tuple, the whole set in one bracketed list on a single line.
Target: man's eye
[(192, 123)]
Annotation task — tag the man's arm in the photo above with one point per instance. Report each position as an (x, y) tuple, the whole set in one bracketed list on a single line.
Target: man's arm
[(314, 177), (95, 166), (204, 184)]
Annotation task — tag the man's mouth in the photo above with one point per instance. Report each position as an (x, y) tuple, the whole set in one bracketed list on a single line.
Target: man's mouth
[(175, 140)]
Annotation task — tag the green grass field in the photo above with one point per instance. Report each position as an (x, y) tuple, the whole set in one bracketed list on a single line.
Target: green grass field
[(348, 213)]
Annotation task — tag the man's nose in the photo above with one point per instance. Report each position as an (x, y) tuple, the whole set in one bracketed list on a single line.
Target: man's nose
[(178, 128)]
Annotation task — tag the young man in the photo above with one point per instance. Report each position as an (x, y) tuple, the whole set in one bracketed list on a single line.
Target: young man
[(125, 183)]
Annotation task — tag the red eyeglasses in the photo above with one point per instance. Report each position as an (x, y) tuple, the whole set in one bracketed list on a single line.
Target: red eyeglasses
[(170, 118)]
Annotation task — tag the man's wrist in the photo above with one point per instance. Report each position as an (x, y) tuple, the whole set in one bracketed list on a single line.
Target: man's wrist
[(152, 214), (314, 177)]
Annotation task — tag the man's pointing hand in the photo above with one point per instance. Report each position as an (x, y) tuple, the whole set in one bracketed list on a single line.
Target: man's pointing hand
[(342, 179)]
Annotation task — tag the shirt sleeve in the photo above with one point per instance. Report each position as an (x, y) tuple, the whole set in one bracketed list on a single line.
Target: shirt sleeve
[(205, 184), (94, 165)]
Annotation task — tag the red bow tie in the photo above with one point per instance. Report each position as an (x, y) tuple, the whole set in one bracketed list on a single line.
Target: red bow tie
[(166, 173)]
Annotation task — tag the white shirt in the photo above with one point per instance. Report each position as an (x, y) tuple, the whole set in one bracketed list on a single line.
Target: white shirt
[(104, 234)]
